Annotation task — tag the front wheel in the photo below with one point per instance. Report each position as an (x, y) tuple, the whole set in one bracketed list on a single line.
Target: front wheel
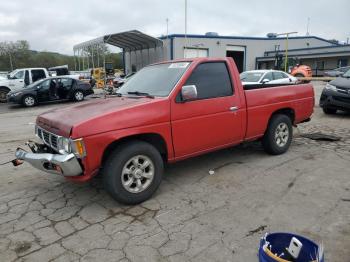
[(278, 135), (3, 94), (133, 172), (78, 96), (29, 101)]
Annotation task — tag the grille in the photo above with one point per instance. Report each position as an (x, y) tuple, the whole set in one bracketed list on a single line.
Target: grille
[(48, 138), (342, 99), (343, 90)]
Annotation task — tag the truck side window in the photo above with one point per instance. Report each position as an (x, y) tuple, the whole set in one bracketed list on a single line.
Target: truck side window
[(19, 75), (37, 74), (212, 79)]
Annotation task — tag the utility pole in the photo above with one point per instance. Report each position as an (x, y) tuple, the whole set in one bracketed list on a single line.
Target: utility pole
[(308, 26), (286, 51), (185, 27)]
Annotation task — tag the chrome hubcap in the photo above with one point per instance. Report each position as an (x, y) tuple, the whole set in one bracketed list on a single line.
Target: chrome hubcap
[(29, 101), (79, 96), (282, 134), (137, 174)]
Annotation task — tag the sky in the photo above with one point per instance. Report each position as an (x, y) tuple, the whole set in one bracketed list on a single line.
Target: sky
[(58, 25)]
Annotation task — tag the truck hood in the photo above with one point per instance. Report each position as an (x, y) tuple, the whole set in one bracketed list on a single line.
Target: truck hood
[(103, 115)]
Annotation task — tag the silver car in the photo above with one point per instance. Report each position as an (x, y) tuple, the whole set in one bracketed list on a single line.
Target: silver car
[(256, 77)]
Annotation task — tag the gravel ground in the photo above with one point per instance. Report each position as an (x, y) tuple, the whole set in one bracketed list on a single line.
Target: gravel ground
[(194, 216)]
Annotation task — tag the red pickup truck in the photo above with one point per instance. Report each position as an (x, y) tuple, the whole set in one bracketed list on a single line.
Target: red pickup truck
[(165, 113)]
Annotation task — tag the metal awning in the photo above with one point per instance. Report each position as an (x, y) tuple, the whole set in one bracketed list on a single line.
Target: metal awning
[(129, 41)]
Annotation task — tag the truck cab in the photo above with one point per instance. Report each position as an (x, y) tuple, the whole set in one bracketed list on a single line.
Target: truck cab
[(19, 79)]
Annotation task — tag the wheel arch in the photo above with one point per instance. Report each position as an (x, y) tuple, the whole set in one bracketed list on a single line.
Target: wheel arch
[(154, 139), (6, 88), (290, 112)]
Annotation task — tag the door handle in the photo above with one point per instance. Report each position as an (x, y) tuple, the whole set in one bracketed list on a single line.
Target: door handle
[(233, 108)]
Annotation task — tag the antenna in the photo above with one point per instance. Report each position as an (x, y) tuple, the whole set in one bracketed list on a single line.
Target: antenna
[(308, 26), (185, 25)]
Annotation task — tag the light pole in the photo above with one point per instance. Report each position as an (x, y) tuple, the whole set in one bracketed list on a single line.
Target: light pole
[(185, 27), (286, 51)]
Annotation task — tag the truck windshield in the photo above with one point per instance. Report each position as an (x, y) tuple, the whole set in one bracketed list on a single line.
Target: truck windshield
[(155, 80), (251, 76)]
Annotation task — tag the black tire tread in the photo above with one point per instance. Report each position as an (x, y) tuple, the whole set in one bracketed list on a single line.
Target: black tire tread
[(114, 164), (268, 140)]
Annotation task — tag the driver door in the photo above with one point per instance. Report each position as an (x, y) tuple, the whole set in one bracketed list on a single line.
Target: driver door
[(211, 121), (17, 82)]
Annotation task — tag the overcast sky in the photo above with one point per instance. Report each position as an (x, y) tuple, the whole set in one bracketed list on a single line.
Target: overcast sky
[(58, 25)]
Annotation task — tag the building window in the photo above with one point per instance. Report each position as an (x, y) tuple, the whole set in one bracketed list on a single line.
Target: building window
[(195, 52), (342, 62), (320, 65)]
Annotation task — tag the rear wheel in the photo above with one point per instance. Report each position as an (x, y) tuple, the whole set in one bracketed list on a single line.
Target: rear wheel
[(3, 94), (329, 111), (278, 135), (29, 101), (133, 172), (78, 96)]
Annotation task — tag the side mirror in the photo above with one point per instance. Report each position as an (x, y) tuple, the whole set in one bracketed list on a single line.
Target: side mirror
[(265, 81), (189, 92)]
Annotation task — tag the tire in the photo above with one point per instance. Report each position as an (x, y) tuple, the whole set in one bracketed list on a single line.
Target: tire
[(278, 135), (28, 101), (3, 94), (329, 111), (131, 186), (78, 95)]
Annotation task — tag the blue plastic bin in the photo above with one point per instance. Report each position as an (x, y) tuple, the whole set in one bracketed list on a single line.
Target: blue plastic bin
[(279, 242)]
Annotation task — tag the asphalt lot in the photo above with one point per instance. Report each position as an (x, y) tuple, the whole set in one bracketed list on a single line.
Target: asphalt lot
[(193, 216)]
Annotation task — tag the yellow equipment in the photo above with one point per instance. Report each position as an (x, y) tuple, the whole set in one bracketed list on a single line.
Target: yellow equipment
[(99, 75)]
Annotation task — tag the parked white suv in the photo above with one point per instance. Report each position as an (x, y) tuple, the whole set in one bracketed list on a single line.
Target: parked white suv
[(20, 78)]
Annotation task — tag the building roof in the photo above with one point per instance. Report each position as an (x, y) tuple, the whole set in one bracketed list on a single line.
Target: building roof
[(130, 41), (247, 37)]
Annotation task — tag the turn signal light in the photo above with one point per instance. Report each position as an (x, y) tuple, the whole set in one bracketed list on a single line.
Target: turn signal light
[(79, 148)]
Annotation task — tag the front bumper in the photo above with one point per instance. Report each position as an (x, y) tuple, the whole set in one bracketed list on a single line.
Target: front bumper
[(66, 165), (336, 100), (14, 99)]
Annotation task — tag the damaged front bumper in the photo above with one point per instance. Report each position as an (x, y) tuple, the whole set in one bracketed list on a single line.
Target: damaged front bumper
[(60, 164)]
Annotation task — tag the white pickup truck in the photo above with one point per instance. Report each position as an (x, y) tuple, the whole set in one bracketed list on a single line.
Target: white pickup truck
[(20, 78)]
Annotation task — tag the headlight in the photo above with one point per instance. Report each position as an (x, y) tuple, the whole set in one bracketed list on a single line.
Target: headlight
[(17, 93), (331, 87), (64, 145)]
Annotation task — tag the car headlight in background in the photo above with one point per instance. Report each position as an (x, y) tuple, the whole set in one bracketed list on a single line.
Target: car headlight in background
[(331, 87)]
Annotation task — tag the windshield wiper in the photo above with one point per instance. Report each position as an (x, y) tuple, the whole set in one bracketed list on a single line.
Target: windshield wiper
[(137, 93)]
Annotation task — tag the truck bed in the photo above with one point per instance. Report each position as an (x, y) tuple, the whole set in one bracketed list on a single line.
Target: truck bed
[(262, 102)]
